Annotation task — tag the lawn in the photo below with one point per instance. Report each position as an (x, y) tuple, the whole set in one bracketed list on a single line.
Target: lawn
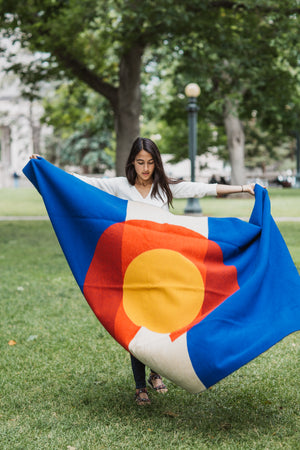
[(21, 202), (66, 384), (284, 202)]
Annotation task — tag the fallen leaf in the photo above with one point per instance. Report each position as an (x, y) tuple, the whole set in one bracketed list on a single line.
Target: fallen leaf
[(170, 414), (11, 342), (225, 426)]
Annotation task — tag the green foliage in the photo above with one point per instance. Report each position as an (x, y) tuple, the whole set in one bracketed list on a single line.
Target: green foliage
[(74, 107), (247, 55), (96, 33), (87, 150), (247, 52), (263, 149)]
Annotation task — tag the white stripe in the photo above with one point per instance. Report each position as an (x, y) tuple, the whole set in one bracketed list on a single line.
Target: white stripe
[(142, 211), (169, 359)]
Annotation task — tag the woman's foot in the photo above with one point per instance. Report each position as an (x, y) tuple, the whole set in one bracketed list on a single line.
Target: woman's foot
[(155, 381), (141, 397)]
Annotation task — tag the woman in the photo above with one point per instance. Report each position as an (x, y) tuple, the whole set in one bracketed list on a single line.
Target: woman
[(147, 182)]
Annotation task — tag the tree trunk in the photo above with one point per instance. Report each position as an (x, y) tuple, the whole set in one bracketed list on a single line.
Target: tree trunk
[(124, 99), (35, 130), (128, 110), (235, 141)]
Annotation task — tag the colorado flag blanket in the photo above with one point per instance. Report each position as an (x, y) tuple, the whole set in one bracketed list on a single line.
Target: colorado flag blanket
[(194, 298)]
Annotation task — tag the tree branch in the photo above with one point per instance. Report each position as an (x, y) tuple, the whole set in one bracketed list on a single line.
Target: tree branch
[(227, 4), (232, 5), (87, 76)]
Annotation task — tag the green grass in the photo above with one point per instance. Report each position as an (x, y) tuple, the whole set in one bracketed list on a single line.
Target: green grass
[(21, 202), (291, 234), (66, 383), (284, 202)]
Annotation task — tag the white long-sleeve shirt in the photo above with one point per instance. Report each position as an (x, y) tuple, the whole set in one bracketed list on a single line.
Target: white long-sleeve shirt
[(120, 187)]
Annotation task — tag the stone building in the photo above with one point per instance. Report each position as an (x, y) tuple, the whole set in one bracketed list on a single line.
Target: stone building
[(21, 133)]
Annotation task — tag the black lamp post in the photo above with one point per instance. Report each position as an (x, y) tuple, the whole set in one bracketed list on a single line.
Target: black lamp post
[(192, 91)]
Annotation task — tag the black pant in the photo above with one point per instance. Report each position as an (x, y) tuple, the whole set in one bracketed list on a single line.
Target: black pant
[(139, 372)]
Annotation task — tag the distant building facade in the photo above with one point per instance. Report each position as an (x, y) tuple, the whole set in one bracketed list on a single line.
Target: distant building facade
[(21, 133)]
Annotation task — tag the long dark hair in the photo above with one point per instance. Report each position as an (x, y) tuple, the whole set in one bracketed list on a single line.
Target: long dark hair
[(160, 179)]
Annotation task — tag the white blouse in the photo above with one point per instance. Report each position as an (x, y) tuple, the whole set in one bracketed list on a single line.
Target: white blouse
[(120, 187)]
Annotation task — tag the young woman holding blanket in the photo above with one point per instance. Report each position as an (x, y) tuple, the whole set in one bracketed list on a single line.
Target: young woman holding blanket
[(147, 182)]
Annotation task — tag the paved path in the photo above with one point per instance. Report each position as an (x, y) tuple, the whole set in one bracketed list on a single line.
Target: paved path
[(24, 218), (2, 218)]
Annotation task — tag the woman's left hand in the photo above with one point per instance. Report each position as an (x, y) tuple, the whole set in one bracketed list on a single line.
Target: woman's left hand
[(248, 188), (225, 189)]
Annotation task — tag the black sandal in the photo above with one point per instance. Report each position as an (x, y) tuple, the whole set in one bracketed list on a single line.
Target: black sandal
[(141, 400), (161, 388)]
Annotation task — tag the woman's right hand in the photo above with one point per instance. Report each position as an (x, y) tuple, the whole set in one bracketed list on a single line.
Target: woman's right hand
[(34, 156)]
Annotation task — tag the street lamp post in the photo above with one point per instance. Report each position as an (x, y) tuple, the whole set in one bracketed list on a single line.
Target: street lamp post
[(192, 91)]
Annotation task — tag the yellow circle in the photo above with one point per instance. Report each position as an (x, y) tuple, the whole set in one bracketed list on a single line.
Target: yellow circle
[(163, 290)]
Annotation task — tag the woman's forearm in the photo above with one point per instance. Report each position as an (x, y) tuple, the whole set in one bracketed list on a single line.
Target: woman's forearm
[(225, 189)]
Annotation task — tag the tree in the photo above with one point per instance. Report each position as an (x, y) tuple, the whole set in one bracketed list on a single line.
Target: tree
[(82, 127), (242, 66), (99, 42), (102, 43)]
